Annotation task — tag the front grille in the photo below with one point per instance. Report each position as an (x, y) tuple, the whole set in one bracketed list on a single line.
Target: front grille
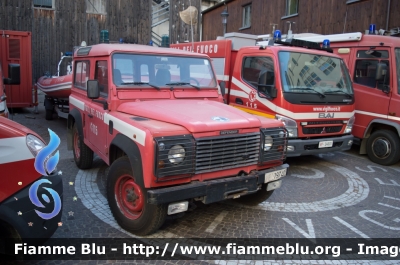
[(225, 152), (324, 122), (319, 130)]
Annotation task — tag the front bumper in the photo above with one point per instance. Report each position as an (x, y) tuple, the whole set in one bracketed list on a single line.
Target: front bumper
[(310, 146), (19, 211), (214, 190)]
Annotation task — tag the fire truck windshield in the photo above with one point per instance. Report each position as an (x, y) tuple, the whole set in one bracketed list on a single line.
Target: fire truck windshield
[(134, 70), (324, 76)]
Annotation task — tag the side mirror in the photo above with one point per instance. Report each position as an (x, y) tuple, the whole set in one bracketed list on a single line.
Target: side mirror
[(93, 90), (14, 76), (381, 70), (266, 87), (222, 85)]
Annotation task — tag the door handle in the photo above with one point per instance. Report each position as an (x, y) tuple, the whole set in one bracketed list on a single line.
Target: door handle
[(90, 115), (392, 113)]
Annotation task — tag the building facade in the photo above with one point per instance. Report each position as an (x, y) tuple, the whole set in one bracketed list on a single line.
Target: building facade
[(323, 17), (59, 25)]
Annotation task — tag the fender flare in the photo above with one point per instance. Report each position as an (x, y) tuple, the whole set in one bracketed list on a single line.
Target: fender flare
[(74, 116), (131, 149), (381, 121)]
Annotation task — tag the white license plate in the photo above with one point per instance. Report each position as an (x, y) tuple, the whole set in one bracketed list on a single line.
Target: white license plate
[(272, 176), (325, 144)]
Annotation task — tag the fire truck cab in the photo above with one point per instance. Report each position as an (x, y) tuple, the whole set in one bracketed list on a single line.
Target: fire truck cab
[(156, 116), (374, 64), (296, 82)]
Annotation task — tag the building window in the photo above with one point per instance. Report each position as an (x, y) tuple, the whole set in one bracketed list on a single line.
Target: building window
[(352, 1), (291, 7), (246, 22), (43, 3), (96, 6)]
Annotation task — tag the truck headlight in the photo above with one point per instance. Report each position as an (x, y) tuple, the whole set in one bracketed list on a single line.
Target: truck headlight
[(176, 154), (349, 125), (291, 125), (34, 144), (268, 141)]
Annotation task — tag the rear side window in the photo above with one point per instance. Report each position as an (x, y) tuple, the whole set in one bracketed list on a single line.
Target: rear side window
[(81, 74)]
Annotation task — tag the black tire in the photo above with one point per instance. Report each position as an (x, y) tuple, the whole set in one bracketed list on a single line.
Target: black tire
[(125, 190), (258, 197), (49, 114), (83, 155), (383, 147)]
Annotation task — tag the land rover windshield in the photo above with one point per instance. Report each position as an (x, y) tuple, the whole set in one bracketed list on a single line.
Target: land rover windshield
[(314, 79), (131, 71)]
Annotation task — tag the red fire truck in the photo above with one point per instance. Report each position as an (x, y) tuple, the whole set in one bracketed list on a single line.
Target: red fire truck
[(15, 48), (157, 117), (309, 90), (374, 63), (18, 149)]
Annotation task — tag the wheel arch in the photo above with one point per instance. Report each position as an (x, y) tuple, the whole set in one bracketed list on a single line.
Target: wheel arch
[(74, 116), (121, 145), (378, 124)]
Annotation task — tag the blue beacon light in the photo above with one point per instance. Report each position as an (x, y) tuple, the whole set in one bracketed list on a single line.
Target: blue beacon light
[(326, 43), (372, 29), (277, 35)]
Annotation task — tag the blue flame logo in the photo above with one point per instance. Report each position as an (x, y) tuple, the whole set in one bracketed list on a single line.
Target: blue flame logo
[(35, 200), (45, 164)]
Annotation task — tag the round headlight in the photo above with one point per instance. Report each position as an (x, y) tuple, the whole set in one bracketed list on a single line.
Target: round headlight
[(176, 154), (268, 141)]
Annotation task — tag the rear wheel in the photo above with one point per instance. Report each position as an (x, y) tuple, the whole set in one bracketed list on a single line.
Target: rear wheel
[(83, 155), (383, 147), (128, 200)]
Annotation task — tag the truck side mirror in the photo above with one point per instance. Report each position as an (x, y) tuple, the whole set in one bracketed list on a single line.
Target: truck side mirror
[(14, 76), (93, 90), (381, 70), (222, 85), (266, 87)]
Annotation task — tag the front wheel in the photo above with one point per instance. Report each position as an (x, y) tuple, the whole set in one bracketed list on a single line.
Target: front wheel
[(128, 200), (83, 155), (383, 147)]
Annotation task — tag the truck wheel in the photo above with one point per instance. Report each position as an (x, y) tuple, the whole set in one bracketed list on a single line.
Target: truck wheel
[(383, 147), (258, 197), (83, 155), (128, 200), (49, 114)]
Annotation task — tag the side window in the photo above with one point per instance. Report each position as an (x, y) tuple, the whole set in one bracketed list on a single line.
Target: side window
[(101, 74), (81, 74), (254, 67), (44, 4), (365, 71), (96, 6)]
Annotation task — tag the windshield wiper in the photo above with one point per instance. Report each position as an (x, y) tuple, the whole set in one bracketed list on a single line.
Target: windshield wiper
[(182, 84), (140, 83), (351, 96), (307, 88)]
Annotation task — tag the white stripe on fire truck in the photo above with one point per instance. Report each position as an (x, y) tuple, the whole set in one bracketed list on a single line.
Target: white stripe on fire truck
[(378, 115), (279, 110), (126, 129), (11, 150), (77, 103)]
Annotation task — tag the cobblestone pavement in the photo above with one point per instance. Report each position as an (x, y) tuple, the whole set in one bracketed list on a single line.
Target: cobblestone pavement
[(333, 195)]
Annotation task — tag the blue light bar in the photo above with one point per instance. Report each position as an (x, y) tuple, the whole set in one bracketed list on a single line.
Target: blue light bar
[(372, 29), (68, 54), (277, 35), (326, 43)]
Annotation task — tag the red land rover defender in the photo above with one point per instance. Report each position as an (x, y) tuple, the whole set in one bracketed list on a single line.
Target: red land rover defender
[(157, 117)]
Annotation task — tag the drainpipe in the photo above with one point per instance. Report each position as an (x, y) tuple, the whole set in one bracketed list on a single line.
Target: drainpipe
[(387, 16)]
